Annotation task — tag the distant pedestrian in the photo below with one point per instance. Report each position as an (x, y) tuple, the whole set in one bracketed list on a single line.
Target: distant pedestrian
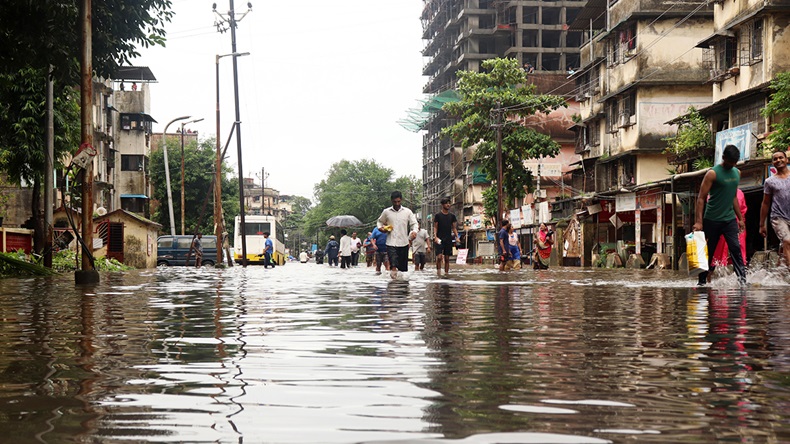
[(370, 250), (445, 232), (345, 250), (515, 248), (420, 246), (197, 246), (331, 251), (776, 199), (543, 243), (722, 212), (268, 251), (378, 239), (303, 257), (403, 227), (356, 244), (502, 246)]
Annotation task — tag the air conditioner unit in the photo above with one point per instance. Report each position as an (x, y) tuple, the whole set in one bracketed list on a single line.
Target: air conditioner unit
[(625, 120)]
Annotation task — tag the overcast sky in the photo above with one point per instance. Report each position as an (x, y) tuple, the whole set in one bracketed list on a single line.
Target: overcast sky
[(325, 81)]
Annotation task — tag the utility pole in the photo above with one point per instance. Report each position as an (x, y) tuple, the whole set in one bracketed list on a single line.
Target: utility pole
[(499, 174), (231, 20), (219, 221), (87, 274), (49, 195)]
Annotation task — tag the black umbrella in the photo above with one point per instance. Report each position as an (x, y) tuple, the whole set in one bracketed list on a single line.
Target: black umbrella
[(342, 221)]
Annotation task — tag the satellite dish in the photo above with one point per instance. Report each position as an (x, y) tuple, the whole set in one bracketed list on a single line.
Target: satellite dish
[(101, 211)]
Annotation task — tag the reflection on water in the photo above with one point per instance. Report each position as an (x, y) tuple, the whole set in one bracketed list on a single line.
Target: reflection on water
[(305, 353)]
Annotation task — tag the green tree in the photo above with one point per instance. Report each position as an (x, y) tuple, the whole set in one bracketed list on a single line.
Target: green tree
[(199, 160), (503, 83), (779, 107), (44, 33), (293, 224), (23, 132), (692, 141), (360, 188)]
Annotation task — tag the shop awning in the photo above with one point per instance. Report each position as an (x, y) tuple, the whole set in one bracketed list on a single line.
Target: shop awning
[(134, 196)]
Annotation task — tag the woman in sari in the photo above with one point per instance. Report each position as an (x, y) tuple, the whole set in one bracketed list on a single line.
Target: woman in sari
[(544, 241)]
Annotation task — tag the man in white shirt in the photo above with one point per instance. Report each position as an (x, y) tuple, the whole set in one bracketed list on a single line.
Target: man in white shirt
[(404, 227), (345, 250), (419, 247), (356, 244)]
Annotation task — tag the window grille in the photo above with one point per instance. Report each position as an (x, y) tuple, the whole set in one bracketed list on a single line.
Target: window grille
[(751, 43), (749, 112)]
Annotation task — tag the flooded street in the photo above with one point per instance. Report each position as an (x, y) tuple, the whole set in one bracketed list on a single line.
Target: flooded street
[(305, 353)]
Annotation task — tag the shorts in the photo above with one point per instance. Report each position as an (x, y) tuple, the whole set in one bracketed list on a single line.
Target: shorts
[(381, 258), (445, 248), (399, 257), (781, 228), (419, 258)]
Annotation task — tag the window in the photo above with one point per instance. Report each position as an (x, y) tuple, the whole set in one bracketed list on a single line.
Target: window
[(612, 113), (165, 242), (726, 53), (612, 52), (595, 132), (748, 111), (628, 41), (253, 228), (132, 162), (133, 204), (751, 43), (136, 122)]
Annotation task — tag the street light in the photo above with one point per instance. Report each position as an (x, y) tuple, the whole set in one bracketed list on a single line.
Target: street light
[(218, 220), (167, 173), (182, 171)]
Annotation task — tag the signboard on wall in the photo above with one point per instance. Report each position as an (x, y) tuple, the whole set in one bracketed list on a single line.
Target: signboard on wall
[(625, 202), (741, 136), (527, 216), (649, 200), (515, 218), (476, 222), (545, 169)]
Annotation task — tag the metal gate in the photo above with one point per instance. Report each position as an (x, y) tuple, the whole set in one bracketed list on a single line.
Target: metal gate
[(115, 241)]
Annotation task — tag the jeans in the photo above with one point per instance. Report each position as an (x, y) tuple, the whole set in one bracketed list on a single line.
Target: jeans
[(354, 259), (729, 229)]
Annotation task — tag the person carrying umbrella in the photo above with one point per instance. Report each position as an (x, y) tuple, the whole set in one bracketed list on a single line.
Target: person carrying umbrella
[(402, 226)]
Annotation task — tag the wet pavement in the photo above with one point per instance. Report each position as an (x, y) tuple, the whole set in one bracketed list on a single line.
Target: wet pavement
[(305, 353)]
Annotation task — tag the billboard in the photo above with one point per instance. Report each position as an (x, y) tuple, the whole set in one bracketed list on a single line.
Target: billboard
[(740, 136)]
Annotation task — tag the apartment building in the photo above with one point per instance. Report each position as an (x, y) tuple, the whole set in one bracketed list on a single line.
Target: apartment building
[(640, 69), (747, 47), (459, 35)]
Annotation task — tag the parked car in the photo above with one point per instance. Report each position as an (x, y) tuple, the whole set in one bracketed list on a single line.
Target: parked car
[(173, 250)]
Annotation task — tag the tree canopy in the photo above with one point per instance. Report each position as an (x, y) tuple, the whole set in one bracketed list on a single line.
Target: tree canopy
[(502, 84), (199, 159), (359, 188), (44, 33), (23, 123)]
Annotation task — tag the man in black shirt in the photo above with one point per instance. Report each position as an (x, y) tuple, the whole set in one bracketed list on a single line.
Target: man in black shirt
[(445, 233)]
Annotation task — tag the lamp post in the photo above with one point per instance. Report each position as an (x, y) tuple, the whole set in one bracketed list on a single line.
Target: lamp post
[(182, 172), (167, 173), (219, 222)]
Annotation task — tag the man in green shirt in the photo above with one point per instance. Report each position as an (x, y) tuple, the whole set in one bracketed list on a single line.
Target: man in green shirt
[(722, 211)]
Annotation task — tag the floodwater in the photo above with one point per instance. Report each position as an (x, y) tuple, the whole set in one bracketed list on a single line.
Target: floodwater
[(308, 354)]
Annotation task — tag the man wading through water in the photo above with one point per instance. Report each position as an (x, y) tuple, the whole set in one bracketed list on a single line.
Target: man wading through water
[(402, 226), (722, 216)]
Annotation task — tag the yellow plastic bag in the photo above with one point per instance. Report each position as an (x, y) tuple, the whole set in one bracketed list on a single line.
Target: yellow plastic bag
[(697, 252)]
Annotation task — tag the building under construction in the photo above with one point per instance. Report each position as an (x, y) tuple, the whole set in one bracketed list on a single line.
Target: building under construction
[(459, 35)]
